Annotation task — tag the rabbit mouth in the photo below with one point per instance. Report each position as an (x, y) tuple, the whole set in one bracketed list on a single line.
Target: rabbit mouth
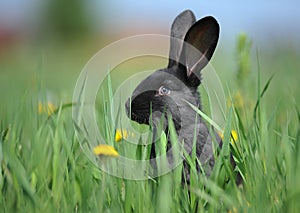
[(140, 116)]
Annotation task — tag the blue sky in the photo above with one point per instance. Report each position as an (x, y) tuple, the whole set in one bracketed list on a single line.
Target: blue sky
[(259, 19)]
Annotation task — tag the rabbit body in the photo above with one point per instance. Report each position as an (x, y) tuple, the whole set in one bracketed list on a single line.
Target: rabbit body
[(169, 91)]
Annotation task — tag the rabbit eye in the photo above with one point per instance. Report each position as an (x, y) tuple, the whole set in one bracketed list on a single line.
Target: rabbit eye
[(163, 91)]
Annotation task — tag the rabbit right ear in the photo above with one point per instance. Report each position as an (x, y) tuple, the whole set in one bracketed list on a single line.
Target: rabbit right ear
[(180, 26), (198, 48)]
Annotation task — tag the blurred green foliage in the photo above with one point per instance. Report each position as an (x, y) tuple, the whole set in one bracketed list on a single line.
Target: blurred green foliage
[(66, 19), (243, 57)]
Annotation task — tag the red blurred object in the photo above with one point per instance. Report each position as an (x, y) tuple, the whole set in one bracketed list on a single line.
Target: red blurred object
[(8, 39)]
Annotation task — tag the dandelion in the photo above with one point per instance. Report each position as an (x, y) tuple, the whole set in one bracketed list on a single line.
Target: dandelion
[(122, 134), (49, 108), (234, 210), (105, 150), (233, 136)]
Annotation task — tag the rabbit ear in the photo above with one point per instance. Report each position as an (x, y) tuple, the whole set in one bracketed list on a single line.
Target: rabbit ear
[(179, 29), (199, 46)]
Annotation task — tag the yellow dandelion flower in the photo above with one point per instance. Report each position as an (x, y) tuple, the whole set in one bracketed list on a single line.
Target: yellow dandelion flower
[(49, 108), (105, 150), (234, 210), (122, 134), (233, 137)]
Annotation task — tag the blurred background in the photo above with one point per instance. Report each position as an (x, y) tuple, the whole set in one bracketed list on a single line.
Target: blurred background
[(45, 44)]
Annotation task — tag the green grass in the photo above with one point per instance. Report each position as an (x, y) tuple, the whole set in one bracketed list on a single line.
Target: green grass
[(43, 167)]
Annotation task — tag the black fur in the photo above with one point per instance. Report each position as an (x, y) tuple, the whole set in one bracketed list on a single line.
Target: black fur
[(168, 90)]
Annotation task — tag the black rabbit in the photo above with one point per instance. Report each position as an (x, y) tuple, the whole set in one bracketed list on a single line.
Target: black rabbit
[(169, 91)]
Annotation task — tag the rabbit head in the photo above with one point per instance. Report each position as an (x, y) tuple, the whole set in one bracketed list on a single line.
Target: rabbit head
[(168, 90)]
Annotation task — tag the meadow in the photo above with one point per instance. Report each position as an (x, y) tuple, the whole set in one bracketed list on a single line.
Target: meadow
[(43, 168)]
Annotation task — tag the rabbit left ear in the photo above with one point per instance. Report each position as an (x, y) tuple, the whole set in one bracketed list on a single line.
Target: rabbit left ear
[(199, 46), (179, 28)]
